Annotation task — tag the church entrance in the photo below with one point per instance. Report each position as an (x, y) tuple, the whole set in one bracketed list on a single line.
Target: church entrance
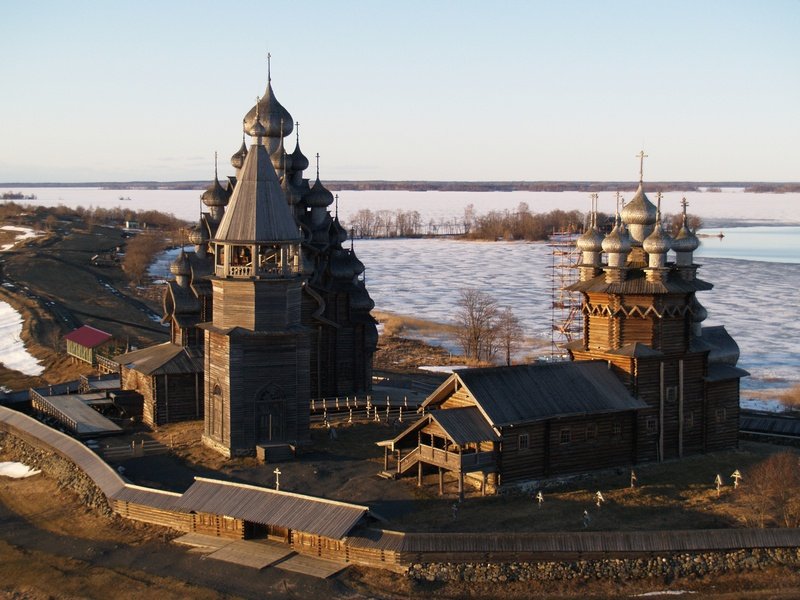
[(270, 415)]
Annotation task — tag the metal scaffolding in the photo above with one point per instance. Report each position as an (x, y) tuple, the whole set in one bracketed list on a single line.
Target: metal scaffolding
[(566, 305)]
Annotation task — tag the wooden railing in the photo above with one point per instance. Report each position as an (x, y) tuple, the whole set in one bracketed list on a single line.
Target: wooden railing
[(408, 461), (455, 460), (106, 365)]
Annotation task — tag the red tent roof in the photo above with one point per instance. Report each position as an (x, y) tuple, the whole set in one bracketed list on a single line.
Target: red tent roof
[(88, 337)]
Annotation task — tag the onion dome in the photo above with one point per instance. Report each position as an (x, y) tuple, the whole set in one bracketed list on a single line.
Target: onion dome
[(657, 242), (639, 211), (281, 161), (273, 117), (590, 241), (299, 160), (618, 241), (318, 195), (699, 312), (357, 265), (180, 266), (685, 240), (198, 235), (215, 194), (360, 299), (338, 234), (237, 160), (340, 265)]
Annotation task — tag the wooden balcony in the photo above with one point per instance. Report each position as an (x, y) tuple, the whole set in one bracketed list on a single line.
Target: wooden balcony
[(454, 461)]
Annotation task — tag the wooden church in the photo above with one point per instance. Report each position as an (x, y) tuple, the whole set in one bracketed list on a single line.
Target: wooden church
[(646, 382), (271, 307)]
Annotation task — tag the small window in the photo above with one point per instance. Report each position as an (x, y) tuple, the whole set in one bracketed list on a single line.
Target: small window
[(523, 442), (565, 436), (688, 420), (217, 390), (591, 432), (652, 425), (616, 429), (672, 393), (720, 415)]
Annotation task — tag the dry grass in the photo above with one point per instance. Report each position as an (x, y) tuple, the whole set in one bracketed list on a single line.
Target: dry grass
[(791, 397)]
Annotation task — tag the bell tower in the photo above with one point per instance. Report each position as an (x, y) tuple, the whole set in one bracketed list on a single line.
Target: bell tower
[(256, 349)]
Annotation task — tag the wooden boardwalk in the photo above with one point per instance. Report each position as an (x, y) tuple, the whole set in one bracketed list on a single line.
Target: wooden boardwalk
[(260, 555)]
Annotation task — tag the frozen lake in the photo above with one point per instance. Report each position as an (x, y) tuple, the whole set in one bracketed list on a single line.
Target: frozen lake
[(755, 269)]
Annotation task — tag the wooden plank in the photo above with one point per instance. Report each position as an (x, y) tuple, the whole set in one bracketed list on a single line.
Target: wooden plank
[(257, 555), (311, 565)]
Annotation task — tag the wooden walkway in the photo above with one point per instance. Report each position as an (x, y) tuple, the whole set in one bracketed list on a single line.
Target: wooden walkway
[(260, 555)]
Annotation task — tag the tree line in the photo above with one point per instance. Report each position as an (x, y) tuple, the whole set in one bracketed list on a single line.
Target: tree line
[(486, 329)]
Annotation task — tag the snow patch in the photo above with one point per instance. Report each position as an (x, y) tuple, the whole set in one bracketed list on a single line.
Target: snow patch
[(16, 470), (13, 354)]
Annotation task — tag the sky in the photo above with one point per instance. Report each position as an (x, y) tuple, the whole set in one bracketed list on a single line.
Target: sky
[(423, 90)]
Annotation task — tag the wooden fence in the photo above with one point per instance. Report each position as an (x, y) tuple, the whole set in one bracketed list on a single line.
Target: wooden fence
[(397, 550)]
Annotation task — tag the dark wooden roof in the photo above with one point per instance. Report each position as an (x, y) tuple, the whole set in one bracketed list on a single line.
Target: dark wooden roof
[(87, 336), (576, 542), (722, 347), (258, 211), (75, 413), (160, 499), (636, 350), (720, 372), (636, 283), (771, 423), (269, 507), (524, 393), (106, 478), (166, 358), (464, 425)]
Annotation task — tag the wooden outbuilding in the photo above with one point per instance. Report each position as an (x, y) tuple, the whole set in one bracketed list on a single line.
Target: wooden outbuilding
[(169, 378), (86, 343)]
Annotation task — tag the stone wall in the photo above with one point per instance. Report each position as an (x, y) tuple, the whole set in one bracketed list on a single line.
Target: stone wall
[(609, 569), (64, 471)]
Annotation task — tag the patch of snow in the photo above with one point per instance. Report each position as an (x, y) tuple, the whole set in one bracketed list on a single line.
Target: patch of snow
[(13, 354), (16, 470), (24, 233), (664, 593), (443, 369)]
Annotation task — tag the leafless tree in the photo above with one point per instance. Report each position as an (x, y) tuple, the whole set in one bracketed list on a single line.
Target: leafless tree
[(509, 332), (770, 492), (139, 253), (477, 315)]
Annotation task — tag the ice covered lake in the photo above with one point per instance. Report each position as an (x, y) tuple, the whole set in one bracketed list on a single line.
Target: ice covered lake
[(755, 269)]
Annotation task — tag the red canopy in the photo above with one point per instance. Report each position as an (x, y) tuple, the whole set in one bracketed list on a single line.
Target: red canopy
[(89, 337)]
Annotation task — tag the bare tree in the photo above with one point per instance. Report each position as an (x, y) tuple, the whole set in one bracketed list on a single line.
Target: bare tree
[(770, 492), (477, 315), (139, 253), (509, 332)]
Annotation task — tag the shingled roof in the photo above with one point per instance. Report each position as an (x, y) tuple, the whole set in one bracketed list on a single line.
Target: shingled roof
[(166, 358), (258, 211), (525, 393), (270, 507)]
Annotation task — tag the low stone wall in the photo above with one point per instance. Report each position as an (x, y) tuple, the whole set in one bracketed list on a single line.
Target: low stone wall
[(610, 569), (64, 471)]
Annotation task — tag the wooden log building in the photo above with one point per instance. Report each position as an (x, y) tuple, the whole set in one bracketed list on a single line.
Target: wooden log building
[(86, 343), (647, 381)]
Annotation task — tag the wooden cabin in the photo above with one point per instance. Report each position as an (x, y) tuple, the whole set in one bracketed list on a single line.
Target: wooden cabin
[(504, 425), (86, 343), (169, 378)]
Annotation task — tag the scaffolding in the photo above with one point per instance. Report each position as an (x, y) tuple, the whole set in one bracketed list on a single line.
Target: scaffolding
[(566, 305)]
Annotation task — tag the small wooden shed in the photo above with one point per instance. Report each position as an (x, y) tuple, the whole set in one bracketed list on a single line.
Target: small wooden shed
[(86, 342)]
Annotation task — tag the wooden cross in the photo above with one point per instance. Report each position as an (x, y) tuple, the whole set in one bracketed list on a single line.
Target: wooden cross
[(641, 156), (269, 67), (684, 204), (277, 472), (317, 165)]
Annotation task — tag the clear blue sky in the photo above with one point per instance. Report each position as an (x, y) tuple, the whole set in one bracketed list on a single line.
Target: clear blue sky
[(405, 90)]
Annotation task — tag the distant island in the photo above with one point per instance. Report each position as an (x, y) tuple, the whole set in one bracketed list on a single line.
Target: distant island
[(457, 186)]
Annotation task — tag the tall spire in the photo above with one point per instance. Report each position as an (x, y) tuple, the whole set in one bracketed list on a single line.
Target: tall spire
[(317, 165), (216, 172), (269, 67), (336, 206)]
